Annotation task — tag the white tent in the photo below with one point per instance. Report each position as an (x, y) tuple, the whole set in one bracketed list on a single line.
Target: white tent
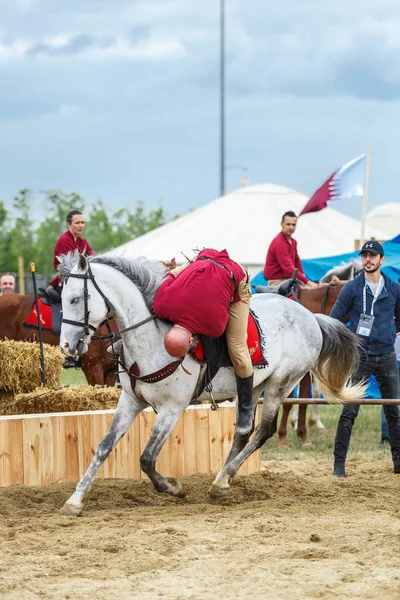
[(244, 222), (385, 217)]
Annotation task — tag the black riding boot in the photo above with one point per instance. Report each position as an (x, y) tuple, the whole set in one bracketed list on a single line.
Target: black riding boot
[(245, 404)]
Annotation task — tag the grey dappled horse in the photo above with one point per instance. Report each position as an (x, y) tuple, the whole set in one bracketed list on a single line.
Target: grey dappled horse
[(297, 341), (344, 272)]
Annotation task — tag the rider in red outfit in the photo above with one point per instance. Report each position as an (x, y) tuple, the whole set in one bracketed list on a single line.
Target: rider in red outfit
[(69, 241), (209, 296)]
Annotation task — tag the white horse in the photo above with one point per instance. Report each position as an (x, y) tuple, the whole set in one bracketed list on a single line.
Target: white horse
[(297, 341)]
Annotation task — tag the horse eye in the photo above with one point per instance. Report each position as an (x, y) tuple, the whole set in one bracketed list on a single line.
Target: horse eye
[(74, 300)]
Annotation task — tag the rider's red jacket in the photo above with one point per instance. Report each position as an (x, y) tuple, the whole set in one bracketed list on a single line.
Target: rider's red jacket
[(283, 259), (198, 299), (66, 244)]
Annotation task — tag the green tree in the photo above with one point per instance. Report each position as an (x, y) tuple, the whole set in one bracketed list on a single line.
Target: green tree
[(130, 225), (99, 230), (4, 239), (22, 234)]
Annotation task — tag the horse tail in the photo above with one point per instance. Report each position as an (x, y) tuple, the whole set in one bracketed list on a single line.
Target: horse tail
[(338, 360)]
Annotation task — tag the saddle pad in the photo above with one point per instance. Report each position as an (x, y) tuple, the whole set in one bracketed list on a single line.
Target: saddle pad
[(46, 319), (254, 344)]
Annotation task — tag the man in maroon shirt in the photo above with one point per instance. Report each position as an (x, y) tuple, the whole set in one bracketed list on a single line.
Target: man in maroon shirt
[(68, 242), (209, 296), (282, 257)]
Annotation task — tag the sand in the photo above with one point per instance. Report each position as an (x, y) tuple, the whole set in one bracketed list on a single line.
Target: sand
[(292, 531)]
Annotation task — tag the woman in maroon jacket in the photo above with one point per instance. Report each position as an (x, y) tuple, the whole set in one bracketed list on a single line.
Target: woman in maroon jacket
[(68, 242), (209, 296)]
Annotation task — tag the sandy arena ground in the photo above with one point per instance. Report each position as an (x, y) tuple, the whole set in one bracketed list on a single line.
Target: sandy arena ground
[(292, 531)]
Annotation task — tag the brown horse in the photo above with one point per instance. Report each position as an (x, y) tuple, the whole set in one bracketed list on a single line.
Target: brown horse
[(317, 300), (98, 365)]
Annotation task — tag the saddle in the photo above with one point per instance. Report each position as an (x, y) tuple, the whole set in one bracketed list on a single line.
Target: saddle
[(288, 289), (50, 315), (214, 352)]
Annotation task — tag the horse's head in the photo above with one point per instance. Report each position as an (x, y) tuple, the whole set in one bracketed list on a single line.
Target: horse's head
[(83, 303)]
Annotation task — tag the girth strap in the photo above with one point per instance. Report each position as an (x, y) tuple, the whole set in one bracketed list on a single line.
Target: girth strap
[(134, 372)]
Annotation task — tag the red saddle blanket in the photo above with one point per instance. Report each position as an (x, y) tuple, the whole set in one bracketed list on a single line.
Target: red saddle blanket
[(254, 345), (46, 318)]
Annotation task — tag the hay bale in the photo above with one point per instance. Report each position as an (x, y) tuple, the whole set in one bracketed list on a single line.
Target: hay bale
[(20, 366), (65, 399)]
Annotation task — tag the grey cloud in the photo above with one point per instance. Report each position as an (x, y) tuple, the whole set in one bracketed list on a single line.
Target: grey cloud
[(138, 33), (75, 45)]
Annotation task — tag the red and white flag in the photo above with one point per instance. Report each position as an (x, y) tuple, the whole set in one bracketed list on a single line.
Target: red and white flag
[(347, 182)]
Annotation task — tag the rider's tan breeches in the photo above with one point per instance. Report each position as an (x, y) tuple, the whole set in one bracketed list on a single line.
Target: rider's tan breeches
[(236, 331), (276, 281)]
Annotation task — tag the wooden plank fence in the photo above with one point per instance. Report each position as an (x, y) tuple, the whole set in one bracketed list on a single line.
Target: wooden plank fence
[(55, 448)]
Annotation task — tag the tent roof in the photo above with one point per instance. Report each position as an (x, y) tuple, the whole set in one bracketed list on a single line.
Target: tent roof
[(244, 222), (386, 217)]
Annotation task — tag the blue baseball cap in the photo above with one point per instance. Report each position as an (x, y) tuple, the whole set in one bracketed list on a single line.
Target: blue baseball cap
[(374, 247)]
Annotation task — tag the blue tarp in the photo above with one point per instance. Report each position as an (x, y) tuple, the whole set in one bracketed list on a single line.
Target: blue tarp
[(315, 268)]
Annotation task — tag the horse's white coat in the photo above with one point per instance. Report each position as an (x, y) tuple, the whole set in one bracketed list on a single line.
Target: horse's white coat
[(294, 341)]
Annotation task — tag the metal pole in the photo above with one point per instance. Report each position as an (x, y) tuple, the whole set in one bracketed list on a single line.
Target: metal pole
[(359, 401), (33, 271), (365, 197), (222, 98)]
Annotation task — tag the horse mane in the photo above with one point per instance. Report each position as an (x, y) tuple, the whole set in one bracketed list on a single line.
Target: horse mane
[(344, 271), (146, 274)]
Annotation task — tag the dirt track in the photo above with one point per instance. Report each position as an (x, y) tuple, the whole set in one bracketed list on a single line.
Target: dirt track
[(292, 531)]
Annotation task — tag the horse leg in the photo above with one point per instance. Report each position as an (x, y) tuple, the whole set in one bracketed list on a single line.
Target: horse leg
[(304, 390), (127, 410), (315, 418), (265, 429), (282, 431), (295, 416), (240, 441), (166, 420)]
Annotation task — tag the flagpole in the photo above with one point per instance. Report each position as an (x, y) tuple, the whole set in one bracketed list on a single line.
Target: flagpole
[(365, 196)]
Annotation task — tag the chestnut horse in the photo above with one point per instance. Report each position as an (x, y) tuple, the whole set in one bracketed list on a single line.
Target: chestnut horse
[(98, 365), (317, 300)]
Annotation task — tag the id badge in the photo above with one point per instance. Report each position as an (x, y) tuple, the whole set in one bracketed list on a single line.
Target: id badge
[(365, 325)]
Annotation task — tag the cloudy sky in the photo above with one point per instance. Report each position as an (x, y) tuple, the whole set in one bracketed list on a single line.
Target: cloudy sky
[(120, 99)]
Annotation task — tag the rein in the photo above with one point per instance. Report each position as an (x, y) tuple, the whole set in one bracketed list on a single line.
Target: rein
[(326, 294)]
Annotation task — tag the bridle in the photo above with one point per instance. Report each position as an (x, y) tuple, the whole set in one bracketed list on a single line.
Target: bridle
[(109, 306), (133, 371)]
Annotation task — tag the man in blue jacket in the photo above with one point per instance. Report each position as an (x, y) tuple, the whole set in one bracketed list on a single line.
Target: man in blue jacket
[(371, 302)]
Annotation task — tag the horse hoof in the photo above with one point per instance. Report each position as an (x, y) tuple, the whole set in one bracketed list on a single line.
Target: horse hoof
[(217, 493), (71, 510), (307, 445), (175, 488)]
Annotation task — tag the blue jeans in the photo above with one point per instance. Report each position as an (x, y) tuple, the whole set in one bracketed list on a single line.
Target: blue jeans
[(384, 368), (384, 425)]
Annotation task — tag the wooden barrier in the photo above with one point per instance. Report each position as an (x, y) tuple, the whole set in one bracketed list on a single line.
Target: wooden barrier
[(54, 448)]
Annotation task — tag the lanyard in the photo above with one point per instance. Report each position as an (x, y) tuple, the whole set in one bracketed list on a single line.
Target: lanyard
[(377, 292)]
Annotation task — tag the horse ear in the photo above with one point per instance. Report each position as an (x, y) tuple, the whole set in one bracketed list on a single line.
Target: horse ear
[(82, 262)]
